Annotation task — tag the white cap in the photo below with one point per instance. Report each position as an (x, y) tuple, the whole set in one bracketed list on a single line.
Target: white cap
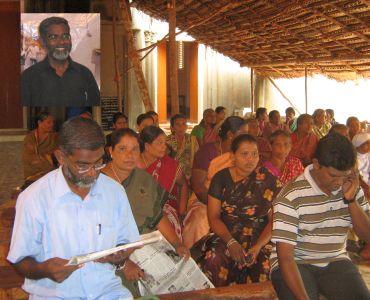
[(360, 138)]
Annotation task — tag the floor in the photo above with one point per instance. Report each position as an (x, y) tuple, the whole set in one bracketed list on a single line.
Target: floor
[(11, 173)]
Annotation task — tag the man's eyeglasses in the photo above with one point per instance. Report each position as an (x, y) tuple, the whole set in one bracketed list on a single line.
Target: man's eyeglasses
[(84, 169), (63, 37)]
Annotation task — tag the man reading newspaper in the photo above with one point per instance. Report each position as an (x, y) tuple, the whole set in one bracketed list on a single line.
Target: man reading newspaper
[(71, 211)]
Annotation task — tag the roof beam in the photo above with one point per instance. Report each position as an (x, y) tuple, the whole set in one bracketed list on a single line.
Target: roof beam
[(367, 2), (341, 9), (284, 29), (340, 24), (307, 61), (200, 22), (319, 31)]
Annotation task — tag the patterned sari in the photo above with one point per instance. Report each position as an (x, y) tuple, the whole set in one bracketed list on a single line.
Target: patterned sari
[(245, 206), (164, 171), (291, 169), (184, 154)]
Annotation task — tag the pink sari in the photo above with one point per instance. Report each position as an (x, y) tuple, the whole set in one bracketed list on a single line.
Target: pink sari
[(209, 136), (291, 169)]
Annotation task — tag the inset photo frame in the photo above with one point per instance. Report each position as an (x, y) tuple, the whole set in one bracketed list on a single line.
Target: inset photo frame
[(60, 59)]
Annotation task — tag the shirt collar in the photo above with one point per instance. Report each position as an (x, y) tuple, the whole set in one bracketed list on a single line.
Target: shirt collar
[(62, 188), (312, 182), (72, 64)]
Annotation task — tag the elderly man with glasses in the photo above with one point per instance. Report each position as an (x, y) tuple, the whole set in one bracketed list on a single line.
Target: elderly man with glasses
[(71, 211)]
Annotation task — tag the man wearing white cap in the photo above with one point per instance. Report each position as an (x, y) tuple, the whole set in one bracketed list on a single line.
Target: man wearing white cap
[(361, 142)]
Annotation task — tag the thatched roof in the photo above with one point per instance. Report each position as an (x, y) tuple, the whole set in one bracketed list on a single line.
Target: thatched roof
[(279, 38)]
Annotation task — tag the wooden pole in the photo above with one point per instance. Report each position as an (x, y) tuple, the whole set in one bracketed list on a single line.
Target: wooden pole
[(252, 91), (117, 77), (133, 55), (174, 87), (305, 89), (282, 94)]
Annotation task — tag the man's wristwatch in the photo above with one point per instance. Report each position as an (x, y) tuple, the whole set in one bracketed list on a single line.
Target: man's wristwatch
[(121, 265), (349, 201)]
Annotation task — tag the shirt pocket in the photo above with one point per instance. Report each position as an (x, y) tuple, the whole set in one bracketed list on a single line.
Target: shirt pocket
[(107, 235)]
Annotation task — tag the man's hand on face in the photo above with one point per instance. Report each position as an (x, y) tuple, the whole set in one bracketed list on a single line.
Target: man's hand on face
[(56, 269), (350, 185)]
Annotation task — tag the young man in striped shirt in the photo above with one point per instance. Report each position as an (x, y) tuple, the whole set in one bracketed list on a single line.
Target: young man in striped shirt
[(312, 216)]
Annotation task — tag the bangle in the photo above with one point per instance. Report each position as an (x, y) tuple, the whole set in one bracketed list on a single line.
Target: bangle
[(230, 242), (121, 265)]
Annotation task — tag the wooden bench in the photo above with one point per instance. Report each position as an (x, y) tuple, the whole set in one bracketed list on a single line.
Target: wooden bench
[(255, 291), (10, 280), (10, 284)]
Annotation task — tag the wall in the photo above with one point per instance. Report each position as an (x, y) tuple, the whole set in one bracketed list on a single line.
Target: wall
[(221, 82), (11, 109)]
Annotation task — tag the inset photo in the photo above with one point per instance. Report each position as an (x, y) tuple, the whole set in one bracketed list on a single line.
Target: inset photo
[(60, 61)]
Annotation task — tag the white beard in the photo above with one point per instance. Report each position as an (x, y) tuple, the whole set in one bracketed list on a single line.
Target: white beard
[(60, 54)]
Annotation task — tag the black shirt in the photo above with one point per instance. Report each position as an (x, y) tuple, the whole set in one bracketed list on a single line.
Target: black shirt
[(41, 86)]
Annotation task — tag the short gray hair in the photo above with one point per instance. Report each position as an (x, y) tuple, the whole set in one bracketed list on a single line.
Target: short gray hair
[(46, 23), (80, 133)]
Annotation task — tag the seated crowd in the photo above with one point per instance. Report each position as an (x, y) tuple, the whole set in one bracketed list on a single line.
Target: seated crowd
[(250, 199)]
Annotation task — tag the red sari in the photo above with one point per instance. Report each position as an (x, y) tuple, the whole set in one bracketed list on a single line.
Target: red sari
[(291, 169), (165, 170), (304, 148)]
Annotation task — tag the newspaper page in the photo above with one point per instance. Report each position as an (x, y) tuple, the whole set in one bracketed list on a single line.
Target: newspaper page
[(166, 272), (145, 239)]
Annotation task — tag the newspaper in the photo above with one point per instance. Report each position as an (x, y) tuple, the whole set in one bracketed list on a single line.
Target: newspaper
[(166, 272), (145, 239)]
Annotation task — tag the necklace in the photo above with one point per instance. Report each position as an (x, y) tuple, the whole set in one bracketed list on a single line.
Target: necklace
[(144, 160), (114, 173), (237, 178)]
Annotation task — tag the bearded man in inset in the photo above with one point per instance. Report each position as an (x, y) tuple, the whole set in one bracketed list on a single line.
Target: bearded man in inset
[(58, 80)]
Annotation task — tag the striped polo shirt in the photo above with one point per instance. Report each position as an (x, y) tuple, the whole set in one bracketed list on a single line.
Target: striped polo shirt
[(315, 223)]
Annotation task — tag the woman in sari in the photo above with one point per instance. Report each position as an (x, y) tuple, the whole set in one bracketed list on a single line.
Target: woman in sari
[(321, 127), (354, 127), (274, 124), (38, 149), (205, 131), (239, 212), (196, 223), (264, 147), (166, 171), (146, 196), (281, 164), (183, 146), (262, 117), (304, 141)]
